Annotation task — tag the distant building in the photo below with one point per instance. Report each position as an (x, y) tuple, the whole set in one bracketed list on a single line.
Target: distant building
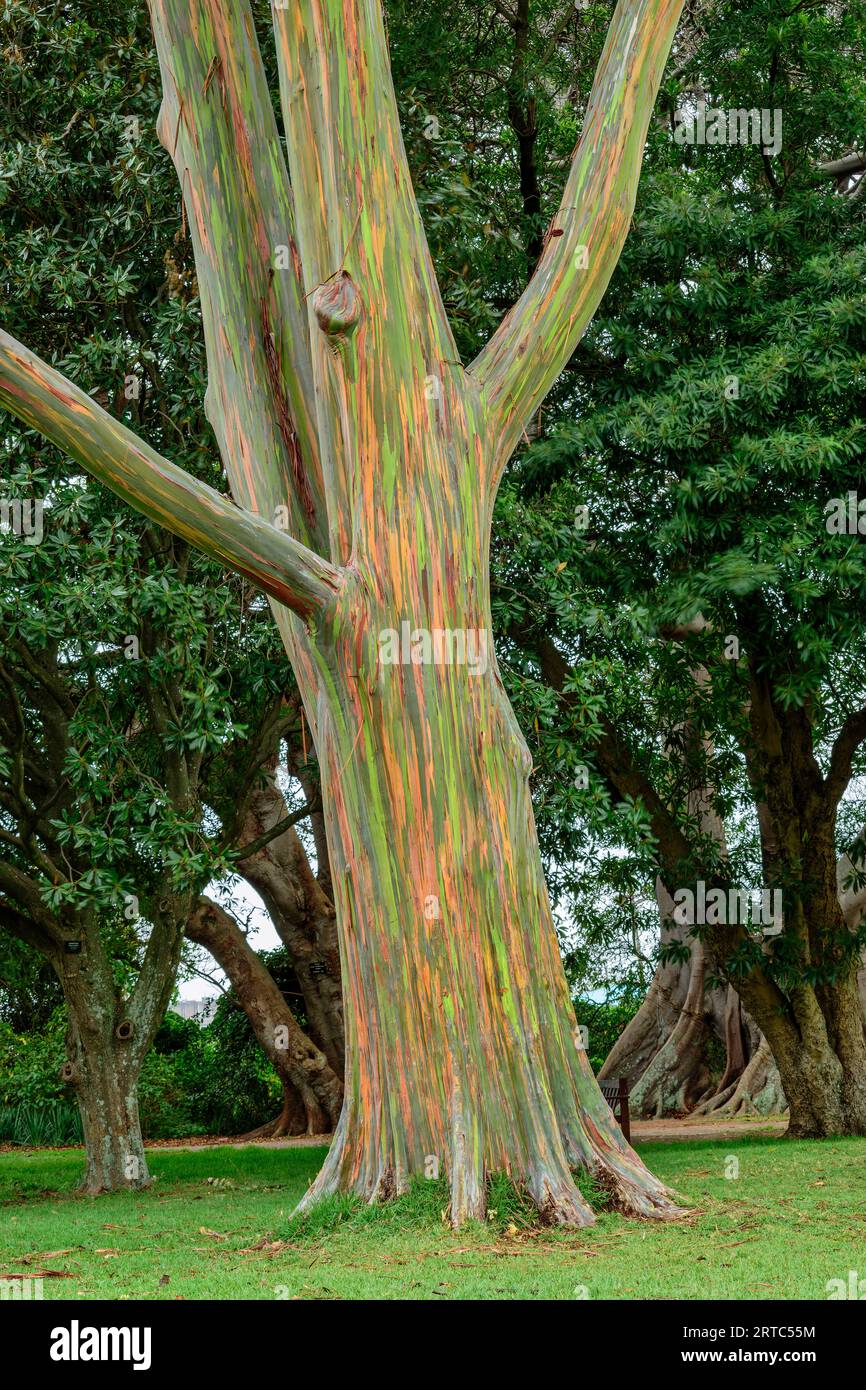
[(202, 1010)]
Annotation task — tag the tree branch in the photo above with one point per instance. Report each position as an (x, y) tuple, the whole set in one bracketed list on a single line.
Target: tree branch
[(851, 735), (623, 776), (253, 846), (531, 347), (46, 401), (27, 899), (217, 123), (522, 119), (293, 1055), (854, 163), (31, 933)]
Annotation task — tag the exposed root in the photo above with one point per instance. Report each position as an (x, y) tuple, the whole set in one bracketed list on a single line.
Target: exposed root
[(556, 1198), (631, 1188), (654, 1202), (277, 1128), (558, 1201), (101, 1187), (757, 1092), (390, 1183)]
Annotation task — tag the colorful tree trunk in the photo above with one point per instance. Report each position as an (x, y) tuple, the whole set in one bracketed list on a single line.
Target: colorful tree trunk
[(364, 461)]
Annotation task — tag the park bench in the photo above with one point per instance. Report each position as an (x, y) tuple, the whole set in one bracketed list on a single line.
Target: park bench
[(616, 1095)]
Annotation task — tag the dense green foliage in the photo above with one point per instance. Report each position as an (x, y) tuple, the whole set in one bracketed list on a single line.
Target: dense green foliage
[(195, 1080), (96, 274), (212, 1079)]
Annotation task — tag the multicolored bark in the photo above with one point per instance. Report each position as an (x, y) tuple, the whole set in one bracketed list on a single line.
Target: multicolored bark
[(45, 400), (336, 392)]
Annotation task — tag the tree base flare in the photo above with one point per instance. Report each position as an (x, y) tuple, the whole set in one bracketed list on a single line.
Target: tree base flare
[(548, 1180), (557, 1199), (104, 1178)]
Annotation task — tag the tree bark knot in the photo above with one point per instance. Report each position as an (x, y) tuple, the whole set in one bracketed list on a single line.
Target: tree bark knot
[(337, 306)]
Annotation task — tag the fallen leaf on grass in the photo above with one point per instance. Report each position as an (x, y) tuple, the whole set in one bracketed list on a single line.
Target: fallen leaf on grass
[(214, 1235)]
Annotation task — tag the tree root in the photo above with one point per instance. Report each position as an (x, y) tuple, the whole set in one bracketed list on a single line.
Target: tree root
[(757, 1092)]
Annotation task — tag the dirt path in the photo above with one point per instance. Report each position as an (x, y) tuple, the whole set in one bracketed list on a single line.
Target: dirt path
[(301, 1141), (698, 1127)]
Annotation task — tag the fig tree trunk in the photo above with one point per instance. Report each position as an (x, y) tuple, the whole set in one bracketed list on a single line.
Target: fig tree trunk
[(106, 1086), (663, 1050), (668, 1051), (108, 1036), (299, 1064), (302, 914), (364, 461)]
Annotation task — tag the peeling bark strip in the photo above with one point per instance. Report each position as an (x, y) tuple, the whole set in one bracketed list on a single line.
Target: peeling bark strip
[(460, 1036), (284, 420)]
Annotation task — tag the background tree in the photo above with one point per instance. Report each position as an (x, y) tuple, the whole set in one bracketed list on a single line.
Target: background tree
[(720, 413)]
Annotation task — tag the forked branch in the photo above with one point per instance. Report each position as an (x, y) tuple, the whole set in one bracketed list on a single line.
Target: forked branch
[(218, 125)]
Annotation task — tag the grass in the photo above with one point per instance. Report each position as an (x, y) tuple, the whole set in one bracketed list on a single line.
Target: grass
[(217, 1224), (52, 1122)]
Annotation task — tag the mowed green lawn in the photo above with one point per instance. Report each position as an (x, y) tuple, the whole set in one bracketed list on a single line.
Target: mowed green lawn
[(216, 1224)]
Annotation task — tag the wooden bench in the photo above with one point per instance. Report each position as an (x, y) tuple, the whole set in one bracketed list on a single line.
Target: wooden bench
[(616, 1095)]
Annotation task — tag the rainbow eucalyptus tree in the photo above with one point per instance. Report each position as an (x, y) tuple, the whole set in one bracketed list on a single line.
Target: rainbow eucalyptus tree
[(363, 461)]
